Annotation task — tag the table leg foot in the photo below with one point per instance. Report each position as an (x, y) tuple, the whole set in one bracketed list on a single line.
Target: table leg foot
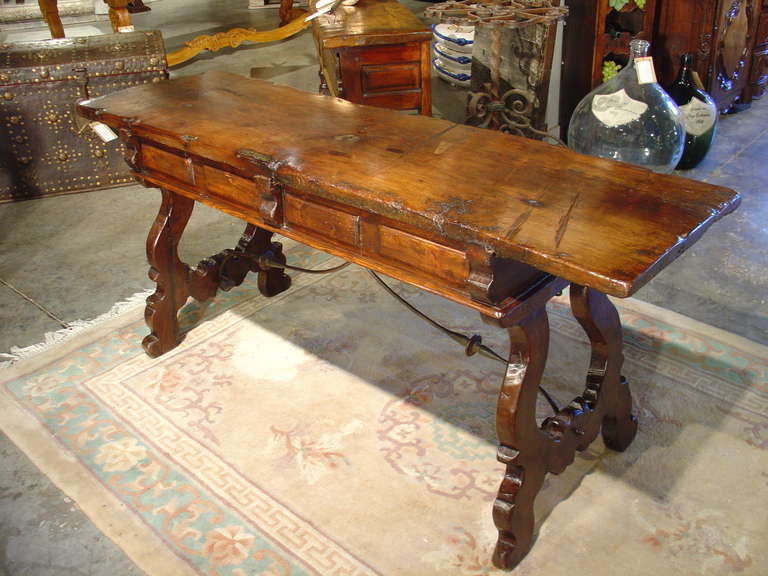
[(168, 272), (530, 451), (118, 14)]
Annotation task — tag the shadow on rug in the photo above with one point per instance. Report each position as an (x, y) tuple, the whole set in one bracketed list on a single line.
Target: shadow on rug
[(330, 431)]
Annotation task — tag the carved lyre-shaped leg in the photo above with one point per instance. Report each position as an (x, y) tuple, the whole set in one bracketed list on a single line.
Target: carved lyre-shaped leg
[(600, 320), (529, 451), (168, 272), (522, 445)]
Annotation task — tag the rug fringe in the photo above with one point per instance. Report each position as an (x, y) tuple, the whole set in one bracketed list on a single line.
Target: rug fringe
[(56, 337)]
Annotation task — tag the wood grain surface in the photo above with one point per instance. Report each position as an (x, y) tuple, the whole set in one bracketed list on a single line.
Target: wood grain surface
[(594, 222)]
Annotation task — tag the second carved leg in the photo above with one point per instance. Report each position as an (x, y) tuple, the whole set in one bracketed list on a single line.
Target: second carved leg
[(600, 320), (530, 451)]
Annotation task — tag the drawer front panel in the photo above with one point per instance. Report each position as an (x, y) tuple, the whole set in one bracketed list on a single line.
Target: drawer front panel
[(323, 221), (391, 78), (167, 163), (234, 188), (424, 255), (387, 53), (395, 101)]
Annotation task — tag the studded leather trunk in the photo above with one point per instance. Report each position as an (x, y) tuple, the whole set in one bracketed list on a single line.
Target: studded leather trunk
[(45, 148)]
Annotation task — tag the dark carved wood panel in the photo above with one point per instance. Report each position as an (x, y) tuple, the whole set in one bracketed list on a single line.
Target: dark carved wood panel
[(758, 78), (724, 35)]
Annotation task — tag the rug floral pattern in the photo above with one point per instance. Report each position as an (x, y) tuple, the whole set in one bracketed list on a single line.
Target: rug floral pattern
[(328, 431)]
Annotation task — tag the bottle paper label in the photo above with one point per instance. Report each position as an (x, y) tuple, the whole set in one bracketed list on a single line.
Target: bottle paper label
[(699, 117), (646, 74), (617, 109)]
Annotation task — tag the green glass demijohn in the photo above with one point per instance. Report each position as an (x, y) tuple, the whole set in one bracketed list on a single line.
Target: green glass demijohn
[(699, 114), (630, 118)]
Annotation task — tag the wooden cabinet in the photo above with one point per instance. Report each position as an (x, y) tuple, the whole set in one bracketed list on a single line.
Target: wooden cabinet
[(724, 35), (728, 37), (758, 77), (375, 53), (596, 33)]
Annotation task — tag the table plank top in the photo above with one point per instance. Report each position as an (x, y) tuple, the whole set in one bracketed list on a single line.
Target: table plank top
[(369, 22), (595, 222)]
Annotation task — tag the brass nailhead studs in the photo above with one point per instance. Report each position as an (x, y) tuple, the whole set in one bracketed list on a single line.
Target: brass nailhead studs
[(25, 160), (44, 73), (4, 77), (155, 80), (7, 96), (98, 154), (14, 119), (152, 61), (62, 156), (18, 139), (119, 65)]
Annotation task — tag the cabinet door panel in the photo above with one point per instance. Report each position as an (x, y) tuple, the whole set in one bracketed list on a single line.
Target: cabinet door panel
[(737, 22)]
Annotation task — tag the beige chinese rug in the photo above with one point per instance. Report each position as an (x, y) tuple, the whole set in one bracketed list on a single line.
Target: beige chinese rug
[(330, 431)]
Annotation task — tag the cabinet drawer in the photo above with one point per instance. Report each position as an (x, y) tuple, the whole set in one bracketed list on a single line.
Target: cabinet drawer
[(321, 221), (386, 53), (383, 78)]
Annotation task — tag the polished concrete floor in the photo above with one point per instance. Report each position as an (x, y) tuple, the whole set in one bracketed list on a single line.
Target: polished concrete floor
[(72, 257)]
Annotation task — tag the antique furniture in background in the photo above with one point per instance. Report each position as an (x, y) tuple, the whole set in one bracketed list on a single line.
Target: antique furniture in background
[(292, 22), (596, 34), (377, 53), (729, 38), (118, 16), (511, 61), (758, 77), (394, 193), (45, 148)]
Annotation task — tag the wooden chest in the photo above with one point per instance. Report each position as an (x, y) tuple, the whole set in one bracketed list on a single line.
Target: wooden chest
[(44, 148), (375, 53)]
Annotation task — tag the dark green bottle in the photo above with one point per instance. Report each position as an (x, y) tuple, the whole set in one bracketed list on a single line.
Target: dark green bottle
[(699, 111)]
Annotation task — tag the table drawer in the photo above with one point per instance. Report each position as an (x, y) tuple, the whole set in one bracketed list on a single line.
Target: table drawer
[(167, 164), (415, 253), (320, 220), (242, 191)]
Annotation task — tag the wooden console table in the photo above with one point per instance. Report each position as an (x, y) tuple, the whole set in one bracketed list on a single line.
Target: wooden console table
[(375, 52), (395, 193)]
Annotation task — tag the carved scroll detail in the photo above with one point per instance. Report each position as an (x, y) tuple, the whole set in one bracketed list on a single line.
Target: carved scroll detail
[(234, 37)]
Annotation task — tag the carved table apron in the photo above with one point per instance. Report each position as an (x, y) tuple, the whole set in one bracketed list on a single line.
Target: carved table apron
[(494, 222)]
